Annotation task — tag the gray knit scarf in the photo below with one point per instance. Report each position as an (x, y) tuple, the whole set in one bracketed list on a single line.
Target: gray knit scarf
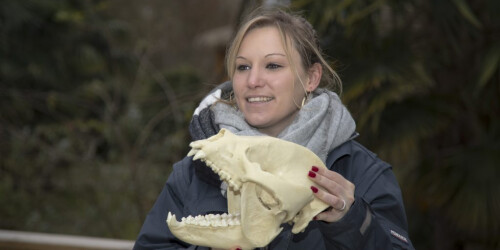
[(322, 124)]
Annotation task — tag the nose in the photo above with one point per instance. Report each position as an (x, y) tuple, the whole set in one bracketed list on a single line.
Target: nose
[(255, 78)]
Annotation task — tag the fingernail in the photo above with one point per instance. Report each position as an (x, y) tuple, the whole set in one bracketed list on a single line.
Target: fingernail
[(312, 174), (315, 169), (314, 189), (238, 248), (314, 218)]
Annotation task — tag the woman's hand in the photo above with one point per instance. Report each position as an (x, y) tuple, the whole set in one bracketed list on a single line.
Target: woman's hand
[(339, 193)]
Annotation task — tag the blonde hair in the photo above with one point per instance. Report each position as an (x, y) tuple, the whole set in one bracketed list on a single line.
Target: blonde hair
[(294, 30)]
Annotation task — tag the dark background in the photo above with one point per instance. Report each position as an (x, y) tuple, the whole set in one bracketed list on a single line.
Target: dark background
[(95, 98)]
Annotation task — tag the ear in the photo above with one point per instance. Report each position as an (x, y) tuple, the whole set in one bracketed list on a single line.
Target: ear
[(314, 73)]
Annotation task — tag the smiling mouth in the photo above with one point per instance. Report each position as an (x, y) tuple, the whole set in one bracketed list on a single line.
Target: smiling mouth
[(259, 99)]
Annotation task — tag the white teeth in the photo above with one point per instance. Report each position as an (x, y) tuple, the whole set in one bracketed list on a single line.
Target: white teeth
[(199, 155), (233, 185), (192, 152), (233, 222), (259, 99), (196, 144), (212, 220), (223, 175)]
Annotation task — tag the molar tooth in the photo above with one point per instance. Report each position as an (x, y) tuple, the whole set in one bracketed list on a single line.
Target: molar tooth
[(233, 184), (223, 175)]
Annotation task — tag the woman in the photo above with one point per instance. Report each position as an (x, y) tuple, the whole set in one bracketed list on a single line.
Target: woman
[(276, 67)]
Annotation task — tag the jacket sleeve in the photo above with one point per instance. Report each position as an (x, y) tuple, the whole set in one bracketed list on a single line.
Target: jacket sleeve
[(154, 233), (377, 219)]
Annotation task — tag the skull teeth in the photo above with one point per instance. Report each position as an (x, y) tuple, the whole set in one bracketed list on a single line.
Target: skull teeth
[(209, 220), (224, 176), (198, 154), (196, 144), (233, 185), (192, 152)]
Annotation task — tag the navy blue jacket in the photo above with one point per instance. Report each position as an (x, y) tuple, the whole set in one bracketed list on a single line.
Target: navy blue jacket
[(376, 220)]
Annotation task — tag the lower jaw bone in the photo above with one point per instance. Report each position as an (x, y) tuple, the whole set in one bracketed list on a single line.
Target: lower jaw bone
[(203, 234)]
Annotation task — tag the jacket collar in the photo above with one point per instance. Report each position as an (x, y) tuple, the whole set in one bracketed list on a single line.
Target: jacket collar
[(342, 150)]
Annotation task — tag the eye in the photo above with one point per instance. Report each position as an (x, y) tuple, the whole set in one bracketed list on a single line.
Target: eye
[(242, 67), (273, 66)]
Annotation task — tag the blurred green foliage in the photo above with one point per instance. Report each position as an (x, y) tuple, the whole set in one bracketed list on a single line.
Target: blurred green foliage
[(423, 82), (89, 128)]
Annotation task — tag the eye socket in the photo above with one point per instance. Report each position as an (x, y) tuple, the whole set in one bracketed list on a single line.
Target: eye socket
[(266, 199)]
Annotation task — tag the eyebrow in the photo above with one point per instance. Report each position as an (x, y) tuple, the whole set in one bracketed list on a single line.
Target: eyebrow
[(275, 54), (268, 55)]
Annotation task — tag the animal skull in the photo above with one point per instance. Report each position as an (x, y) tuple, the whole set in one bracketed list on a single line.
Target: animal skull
[(267, 186)]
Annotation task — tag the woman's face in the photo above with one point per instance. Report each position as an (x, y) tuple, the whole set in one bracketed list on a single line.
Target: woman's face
[(266, 90)]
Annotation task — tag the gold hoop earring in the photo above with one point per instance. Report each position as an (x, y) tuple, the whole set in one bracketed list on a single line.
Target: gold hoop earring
[(305, 99)]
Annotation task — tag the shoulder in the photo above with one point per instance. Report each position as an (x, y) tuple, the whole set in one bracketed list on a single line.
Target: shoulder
[(358, 164), (183, 165), (355, 152), (182, 173)]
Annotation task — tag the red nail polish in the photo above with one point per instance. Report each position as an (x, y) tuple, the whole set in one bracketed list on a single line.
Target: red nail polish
[(238, 248), (315, 169), (312, 174), (314, 218), (314, 189)]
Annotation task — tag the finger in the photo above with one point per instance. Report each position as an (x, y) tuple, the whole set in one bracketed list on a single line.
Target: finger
[(334, 201), (328, 216), (326, 183), (346, 187), (332, 175)]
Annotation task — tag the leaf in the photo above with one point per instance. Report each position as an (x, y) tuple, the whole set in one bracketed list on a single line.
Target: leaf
[(488, 67), (466, 12)]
